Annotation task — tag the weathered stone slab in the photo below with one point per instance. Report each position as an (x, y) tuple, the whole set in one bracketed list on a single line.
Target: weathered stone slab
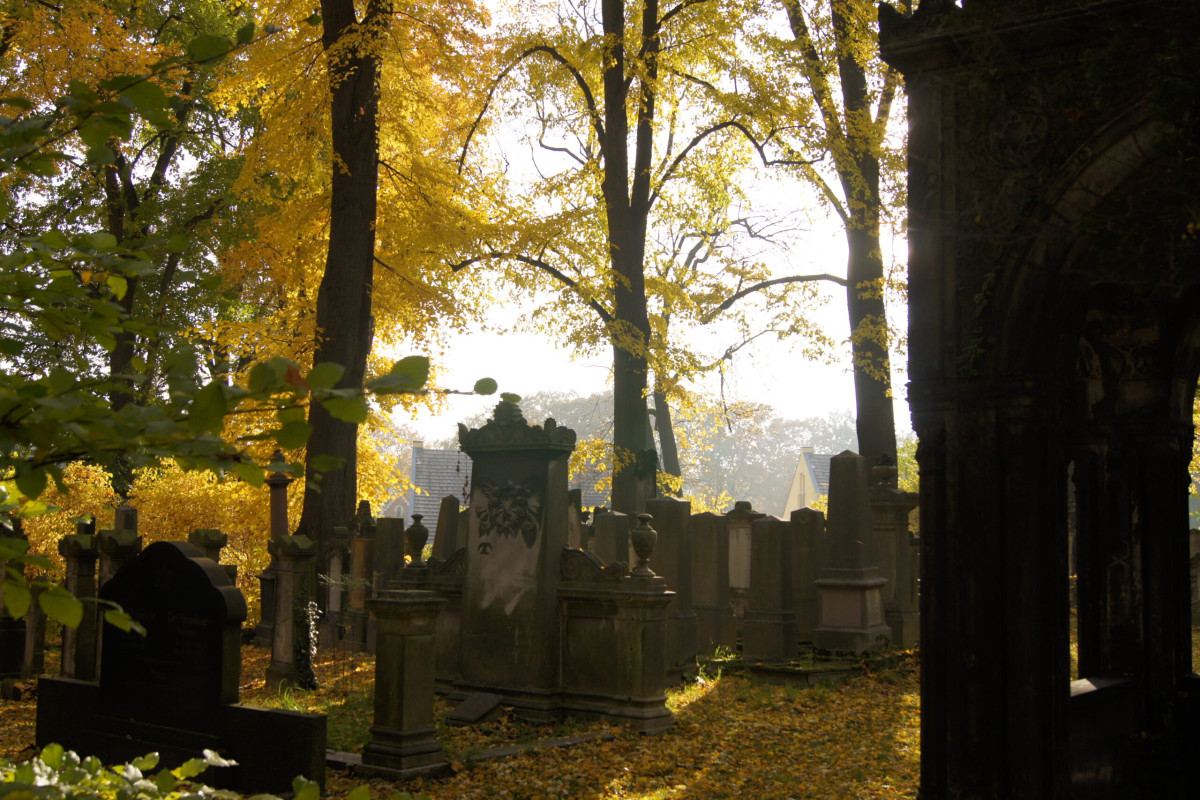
[(478, 707)]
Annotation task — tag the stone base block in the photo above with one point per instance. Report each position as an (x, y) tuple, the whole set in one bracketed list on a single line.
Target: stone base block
[(852, 640), (409, 754)]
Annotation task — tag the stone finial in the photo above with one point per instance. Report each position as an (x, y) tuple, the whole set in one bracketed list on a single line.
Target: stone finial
[(363, 523), (644, 539), (414, 540), (507, 429)]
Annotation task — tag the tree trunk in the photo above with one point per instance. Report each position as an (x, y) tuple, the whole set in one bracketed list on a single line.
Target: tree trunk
[(875, 418), (344, 323), (666, 441)]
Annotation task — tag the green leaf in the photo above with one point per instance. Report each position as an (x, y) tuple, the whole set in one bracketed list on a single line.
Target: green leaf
[(166, 782), (414, 368), (250, 472), (245, 34), (103, 241), (509, 397), (32, 483), (55, 240), (120, 619), (208, 409), (485, 386), (151, 102), (360, 792), (148, 761), (118, 284), (189, 769), (304, 789), (347, 409), (61, 605), (214, 759), (207, 47), (17, 599), (52, 755), (11, 547), (313, 19), (293, 435), (324, 463), (325, 375)]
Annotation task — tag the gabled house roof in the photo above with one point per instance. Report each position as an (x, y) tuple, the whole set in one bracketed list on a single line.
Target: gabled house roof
[(810, 481)]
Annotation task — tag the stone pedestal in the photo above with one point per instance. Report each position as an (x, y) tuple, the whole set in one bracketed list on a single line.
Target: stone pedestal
[(614, 663), (715, 623), (402, 740), (673, 563), (291, 633), (769, 628), (80, 656), (850, 586)]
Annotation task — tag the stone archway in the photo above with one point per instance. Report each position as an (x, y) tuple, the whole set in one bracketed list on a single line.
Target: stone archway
[(1054, 270)]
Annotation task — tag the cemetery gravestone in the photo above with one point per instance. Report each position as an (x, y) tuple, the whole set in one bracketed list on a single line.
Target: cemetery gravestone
[(175, 690), (515, 538)]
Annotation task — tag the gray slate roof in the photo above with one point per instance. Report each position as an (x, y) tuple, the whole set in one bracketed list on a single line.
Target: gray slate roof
[(818, 467), (439, 473)]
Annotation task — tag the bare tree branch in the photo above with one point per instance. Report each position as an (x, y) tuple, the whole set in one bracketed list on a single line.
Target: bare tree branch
[(824, 276), (588, 99), (605, 316)]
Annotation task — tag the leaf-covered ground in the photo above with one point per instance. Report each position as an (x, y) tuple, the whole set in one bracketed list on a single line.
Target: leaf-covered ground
[(733, 738)]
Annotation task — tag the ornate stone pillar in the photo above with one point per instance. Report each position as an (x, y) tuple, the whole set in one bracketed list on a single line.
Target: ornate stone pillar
[(402, 740), (292, 632), (80, 658)]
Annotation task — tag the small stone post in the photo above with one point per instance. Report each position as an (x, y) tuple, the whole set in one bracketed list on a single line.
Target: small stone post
[(402, 740), (278, 484), (850, 585), (80, 658), (292, 634)]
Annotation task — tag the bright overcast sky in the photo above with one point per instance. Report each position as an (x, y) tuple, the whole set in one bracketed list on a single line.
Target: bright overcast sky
[(767, 371)]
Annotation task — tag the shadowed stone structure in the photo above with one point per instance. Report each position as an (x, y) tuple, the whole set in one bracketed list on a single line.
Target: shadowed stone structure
[(1054, 320), (175, 690)]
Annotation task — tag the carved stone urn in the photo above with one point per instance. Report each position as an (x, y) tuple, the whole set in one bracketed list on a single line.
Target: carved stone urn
[(414, 540), (644, 539)]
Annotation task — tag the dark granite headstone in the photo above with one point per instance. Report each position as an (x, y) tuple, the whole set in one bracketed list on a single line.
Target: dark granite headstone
[(175, 690), (186, 666)]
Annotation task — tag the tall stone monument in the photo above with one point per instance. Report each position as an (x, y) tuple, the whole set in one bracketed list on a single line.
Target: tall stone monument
[(850, 585), (516, 532)]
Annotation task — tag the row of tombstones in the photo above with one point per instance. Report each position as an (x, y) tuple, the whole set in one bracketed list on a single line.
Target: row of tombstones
[(749, 577)]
